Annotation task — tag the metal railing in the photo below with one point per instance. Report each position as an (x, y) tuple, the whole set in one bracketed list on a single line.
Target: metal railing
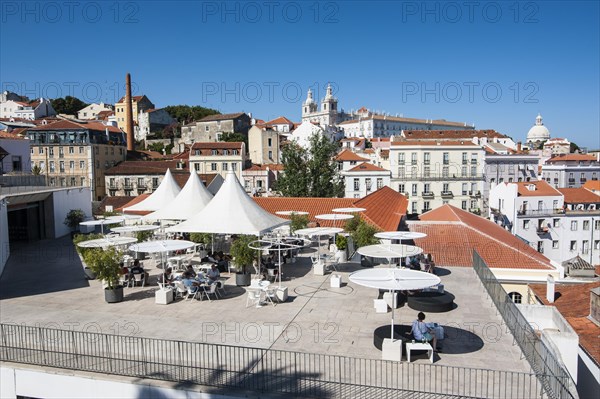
[(436, 177), (554, 376), (255, 369)]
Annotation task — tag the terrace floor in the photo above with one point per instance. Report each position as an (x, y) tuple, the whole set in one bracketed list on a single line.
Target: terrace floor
[(43, 285)]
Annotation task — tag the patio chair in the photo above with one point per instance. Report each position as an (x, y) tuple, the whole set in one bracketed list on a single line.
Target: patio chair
[(180, 289), (220, 287), (208, 292), (194, 294), (271, 295), (125, 281), (253, 297), (139, 278)]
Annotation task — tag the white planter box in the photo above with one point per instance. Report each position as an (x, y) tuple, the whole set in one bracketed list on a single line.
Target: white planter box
[(319, 269), (163, 296), (336, 281), (282, 294), (391, 349), (380, 306)]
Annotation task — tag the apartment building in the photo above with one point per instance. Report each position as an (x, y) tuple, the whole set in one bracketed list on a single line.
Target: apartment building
[(218, 157), (76, 154), (212, 127), (434, 173), (364, 179), (139, 104), (571, 170), (264, 145), (560, 223)]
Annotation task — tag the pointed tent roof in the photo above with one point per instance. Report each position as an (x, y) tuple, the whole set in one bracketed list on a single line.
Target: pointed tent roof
[(164, 194), (192, 199), (231, 211)]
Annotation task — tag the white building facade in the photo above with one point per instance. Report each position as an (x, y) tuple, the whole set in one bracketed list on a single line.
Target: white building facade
[(32, 110), (571, 170), (434, 173), (91, 111), (219, 157), (365, 179)]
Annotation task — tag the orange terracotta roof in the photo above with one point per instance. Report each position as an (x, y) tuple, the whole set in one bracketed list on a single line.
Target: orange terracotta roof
[(466, 142), (572, 157), (221, 117), (593, 185), (453, 234), (542, 189), (134, 201), (579, 196), (384, 207), (133, 98), (282, 120), (367, 167), (573, 302), (10, 136), (347, 155), (145, 168), (236, 145), (71, 125), (117, 202), (273, 166)]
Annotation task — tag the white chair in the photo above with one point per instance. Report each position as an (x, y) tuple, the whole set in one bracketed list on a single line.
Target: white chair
[(191, 294), (125, 281), (271, 295), (139, 278), (220, 287), (253, 297), (208, 292), (180, 289)]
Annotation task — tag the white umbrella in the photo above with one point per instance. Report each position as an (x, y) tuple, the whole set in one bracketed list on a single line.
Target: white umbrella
[(135, 228), (394, 280), (389, 251), (106, 242), (102, 222), (400, 235), (319, 231), (289, 213), (334, 216), (349, 210), (274, 245), (161, 246)]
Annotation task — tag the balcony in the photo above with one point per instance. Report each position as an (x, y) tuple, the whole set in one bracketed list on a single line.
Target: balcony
[(438, 177), (542, 229), (447, 194), (127, 186), (475, 211), (425, 210), (427, 194), (539, 212), (571, 180), (582, 180), (475, 194)]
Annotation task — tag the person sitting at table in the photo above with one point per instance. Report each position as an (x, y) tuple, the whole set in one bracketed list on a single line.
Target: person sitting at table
[(213, 274), (125, 272), (167, 277), (190, 284), (415, 263), (138, 269), (190, 270), (422, 332)]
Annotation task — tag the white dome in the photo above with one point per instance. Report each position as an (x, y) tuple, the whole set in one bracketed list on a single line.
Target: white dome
[(538, 132), (309, 98)]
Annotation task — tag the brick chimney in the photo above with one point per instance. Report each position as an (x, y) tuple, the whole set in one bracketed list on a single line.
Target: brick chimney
[(129, 114), (518, 146)]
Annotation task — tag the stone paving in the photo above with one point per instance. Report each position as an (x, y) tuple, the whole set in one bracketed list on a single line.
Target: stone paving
[(43, 285)]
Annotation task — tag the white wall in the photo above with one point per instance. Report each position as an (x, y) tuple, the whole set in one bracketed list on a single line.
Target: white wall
[(16, 147), (38, 384), (64, 201), (4, 244)]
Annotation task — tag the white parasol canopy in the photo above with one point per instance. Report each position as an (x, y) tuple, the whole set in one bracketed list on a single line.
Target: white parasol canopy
[(192, 199), (135, 228), (319, 231), (106, 242), (349, 210), (389, 251), (231, 211), (394, 280), (334, 216), (400, 235), (165, 193), (289, 213), (102, 222), (161, 246)]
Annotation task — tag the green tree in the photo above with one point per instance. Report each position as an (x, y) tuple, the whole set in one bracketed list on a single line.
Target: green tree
[(235, 138), (36, 170), (298, 222), (73, 218), (68, 105), (242, 254), (312, 172), (186, 114)]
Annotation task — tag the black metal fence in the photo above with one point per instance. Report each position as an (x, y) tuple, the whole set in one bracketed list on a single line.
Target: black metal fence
[(258, 370), (554, 376)]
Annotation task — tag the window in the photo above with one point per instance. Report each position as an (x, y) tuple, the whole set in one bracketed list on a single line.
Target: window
[(270, 142), (51, 151), (413, 158), (414, 189), (379, 183), (206, 128), (71, 165), (446, 158), (473, 170), (63, 182), (73, 181), (368, 183), (52, 166), (40, 150), (463, 205), (463, 171), (213, 166), (555, 204), (140, 182), (270, 154), (596, 244), (213, 152), (445, 171), (61, 167), (573, 225), (555, 244), (81, 164), (596, 224), (71, 150), (540, 247), (155, 182), (586, 224), (127, 182), (573, 246), (426, 158), (61, 152), (426, 206), (426, 171), (465, 188), (83, 181), (516, 297), (235, 152), (225, 152), (224, 166), (426, 187), (233, 166), (540, 205), (401, 188), (401, 158), (197, 167), (356, 185), (414, 207), (473, 157), (16, 163), (585, 246), (525, 224), (555, 222), (464, 158), (401, 171), (445, 187)]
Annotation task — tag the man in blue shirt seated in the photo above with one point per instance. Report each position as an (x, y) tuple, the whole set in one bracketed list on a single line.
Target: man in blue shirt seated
[(190, 284), (213, 274), (422, 332)]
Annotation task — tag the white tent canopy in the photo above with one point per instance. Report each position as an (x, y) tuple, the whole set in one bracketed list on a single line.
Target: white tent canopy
[(164, 194), (192, 199), (231, 211)]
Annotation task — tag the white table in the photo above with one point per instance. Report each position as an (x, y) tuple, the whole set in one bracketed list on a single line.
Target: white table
[(263, 286), (419, 346)]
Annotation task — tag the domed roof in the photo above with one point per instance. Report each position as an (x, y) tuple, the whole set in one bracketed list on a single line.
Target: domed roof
[(309, 98), (538, 132)]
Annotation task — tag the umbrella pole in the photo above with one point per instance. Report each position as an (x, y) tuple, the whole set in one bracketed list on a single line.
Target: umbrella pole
[(279, 253), (392, 330)]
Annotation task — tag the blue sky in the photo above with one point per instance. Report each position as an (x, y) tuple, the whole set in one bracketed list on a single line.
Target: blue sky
[(494, 64)]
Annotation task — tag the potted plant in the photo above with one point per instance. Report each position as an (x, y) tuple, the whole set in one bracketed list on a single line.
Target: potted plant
[(78, 238), (73, 218), (298, 222), (243, 256), (105, 264), (341, 242)]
